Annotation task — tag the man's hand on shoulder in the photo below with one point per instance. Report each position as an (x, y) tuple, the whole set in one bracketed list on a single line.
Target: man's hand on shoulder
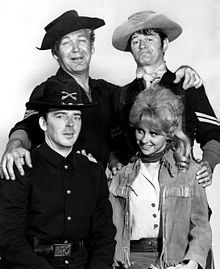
[(204, 174), (191, 77), (88, 155), (115, 164), (16, 154)]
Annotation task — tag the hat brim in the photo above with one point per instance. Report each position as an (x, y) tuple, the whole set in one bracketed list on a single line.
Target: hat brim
[(123, 32), (64, 28), (43, 106)]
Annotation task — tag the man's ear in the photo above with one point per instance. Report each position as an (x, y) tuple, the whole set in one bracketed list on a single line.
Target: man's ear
[(55, 56), (165, 44), (43, 123)]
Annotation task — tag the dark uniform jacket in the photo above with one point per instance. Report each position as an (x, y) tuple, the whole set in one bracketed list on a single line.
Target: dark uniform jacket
[(200, 122), (59, 199), (95, 133)]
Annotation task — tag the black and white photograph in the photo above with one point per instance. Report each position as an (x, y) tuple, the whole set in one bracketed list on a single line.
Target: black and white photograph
[(110, 134)]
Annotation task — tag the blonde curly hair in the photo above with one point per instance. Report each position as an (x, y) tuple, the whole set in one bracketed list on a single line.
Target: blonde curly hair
[(161, 110)]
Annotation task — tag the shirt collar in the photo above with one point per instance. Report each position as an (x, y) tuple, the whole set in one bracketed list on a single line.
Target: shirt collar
[(64, 76), (55, 158), (158, 72)]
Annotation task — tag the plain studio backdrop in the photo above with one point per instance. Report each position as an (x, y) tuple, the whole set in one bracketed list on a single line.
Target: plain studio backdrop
[(23, 67)]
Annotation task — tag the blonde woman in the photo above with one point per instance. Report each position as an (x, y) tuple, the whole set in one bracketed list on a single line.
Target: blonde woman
[(160, 210)]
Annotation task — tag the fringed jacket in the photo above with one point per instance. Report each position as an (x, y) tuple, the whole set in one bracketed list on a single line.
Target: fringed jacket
[(186, 233)]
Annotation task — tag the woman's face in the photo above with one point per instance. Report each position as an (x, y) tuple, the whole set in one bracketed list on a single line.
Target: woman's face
[(149, 140)]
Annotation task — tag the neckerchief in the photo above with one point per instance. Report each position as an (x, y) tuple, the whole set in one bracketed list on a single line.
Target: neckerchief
[(152, 78), (155, 157)]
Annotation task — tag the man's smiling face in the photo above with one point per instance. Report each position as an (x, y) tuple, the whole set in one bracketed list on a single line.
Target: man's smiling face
[(75, 51)]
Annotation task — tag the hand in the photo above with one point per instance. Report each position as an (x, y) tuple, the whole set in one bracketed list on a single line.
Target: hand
[(16, 155), (89, 155), (115, 163), (191, 78), (204, 174), (116, 168)]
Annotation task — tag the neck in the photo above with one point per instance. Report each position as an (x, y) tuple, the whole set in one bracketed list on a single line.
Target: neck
[(154, 157), (63, 151), (149, 69), (82, 79)]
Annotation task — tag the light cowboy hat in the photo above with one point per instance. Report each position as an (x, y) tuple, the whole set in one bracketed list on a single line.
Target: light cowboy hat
[(144, 20), (66, 23), (60, 95)]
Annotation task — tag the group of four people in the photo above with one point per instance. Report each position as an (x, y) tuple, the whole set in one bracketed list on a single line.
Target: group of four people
[(56, 214)]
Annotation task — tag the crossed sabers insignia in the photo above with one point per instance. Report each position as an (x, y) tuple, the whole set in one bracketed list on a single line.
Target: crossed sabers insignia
[(68, 94)]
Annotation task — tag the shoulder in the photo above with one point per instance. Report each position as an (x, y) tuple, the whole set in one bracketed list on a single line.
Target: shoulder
[(38, 90), (189, 176), (167, 81), (194, 167), (83, 162), (133, 84), (119, 183), (103, 83), (184, 176)]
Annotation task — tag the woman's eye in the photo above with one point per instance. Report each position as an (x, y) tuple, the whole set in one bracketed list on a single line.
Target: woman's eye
[(152, 133), (139, 131)]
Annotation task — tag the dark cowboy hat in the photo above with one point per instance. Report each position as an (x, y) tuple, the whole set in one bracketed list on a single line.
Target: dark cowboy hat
[(60, 95), (66, 23), (144, 20)]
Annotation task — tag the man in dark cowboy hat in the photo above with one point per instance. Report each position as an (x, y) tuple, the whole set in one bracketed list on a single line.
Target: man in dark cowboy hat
[(71, 40), (146, 35), (58, 215)]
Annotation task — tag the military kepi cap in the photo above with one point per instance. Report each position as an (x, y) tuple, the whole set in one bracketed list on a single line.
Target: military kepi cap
[(60, 95), (66, 23)]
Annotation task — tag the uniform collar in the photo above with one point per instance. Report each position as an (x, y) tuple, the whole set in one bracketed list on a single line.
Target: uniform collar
[(64, 76), (55, 158)]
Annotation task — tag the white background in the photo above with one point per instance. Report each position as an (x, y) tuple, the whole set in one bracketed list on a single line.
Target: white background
[(23, 66)]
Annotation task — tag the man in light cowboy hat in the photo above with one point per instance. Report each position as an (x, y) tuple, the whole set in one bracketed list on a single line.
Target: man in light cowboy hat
[(71, 40), (58, 214), (146, 35)]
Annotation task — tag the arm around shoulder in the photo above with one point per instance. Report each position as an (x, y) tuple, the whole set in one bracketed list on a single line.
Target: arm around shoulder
[(15, 153)]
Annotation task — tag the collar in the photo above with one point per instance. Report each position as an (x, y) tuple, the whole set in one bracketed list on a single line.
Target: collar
[(157, 73), (167, 162), (64, 77), (121, 183), (55, 158), (168, 78)]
